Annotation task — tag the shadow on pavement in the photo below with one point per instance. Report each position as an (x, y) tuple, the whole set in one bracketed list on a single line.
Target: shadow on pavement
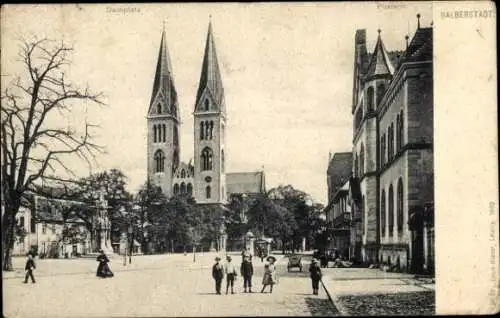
[(321, 307)]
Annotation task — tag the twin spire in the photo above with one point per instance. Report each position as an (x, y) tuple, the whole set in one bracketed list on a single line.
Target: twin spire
[(164, 91), (380, 63)]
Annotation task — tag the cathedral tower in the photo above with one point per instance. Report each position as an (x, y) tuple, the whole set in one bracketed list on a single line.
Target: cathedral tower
[(163, 124), (209, 130)]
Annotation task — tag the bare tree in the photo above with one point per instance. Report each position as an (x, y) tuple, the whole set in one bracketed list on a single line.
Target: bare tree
[(34, 146)]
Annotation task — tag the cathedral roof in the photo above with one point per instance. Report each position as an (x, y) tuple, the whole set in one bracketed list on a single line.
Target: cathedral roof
[(380, 63), (163, 84), (420, 47), (210, 77), (245, 182)]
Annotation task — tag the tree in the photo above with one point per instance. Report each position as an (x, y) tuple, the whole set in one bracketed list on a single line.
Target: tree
[(33, 143)]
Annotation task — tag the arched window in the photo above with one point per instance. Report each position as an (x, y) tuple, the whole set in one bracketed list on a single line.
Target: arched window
[(159, 161), (370, 99), (155, 132), (164, 132), (389, 138), (207, 104), (202, 130), (158, 108), (190, 189), (391, 209), (183, 173), (176, 189), (400, 202), (401, 128), (208, 192), (380, 93), (362, 160), (383, 213), (183, 188), (211, 130), (398, 128), (207, 130), (222, 160), (382, 150), (206, 159), (158, 131)]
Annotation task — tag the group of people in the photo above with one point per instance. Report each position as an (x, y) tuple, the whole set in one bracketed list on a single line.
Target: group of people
[(228, 270)]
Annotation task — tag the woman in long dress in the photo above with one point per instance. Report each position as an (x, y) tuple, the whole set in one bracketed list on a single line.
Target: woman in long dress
[(269, 278), (103, 269)]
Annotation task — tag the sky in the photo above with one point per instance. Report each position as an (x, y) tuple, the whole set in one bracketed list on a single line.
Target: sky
[(286, 70)]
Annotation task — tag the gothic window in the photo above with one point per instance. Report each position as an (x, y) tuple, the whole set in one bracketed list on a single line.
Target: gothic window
[(362, 160), (159, 161), (183, 173), (164, 131), (382, 151), (158, 108), (202, 130), (211, 130), (208, 192), (400, 203), (183, 188), (207, 104), (155, 133), (207, 130), (383, 213), (392, 140), (190, 189), (158, 133), (380, 93), (222, 160), (398, 144), (176, 189), (391, 210), (401, 130), (389, 143), (370, 99), (21, 222), (206, 159)]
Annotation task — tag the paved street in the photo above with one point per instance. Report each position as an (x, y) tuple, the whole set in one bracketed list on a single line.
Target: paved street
[(164, 285)]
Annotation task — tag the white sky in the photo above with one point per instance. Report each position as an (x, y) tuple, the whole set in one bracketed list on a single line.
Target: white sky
[(286, 68)]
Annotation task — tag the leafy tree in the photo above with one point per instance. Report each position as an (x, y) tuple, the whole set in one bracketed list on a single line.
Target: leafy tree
[(33, 143)]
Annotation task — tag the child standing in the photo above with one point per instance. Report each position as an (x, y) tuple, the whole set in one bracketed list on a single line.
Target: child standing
[(316, 275), (269, 274), (230, 272), (29, 268), (218, 275)]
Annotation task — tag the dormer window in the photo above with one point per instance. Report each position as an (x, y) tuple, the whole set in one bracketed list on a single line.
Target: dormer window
[(158, 108), (207, 105)]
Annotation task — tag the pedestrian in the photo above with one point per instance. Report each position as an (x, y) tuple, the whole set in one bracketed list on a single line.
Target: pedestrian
[(218, 275), (103, 269), (247, 272), (230, 272), (269, 274), (29, 268), (315, 272)]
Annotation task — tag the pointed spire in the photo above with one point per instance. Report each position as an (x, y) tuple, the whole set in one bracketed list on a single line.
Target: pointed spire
[(210, 78), (380, 63), (164, 91)]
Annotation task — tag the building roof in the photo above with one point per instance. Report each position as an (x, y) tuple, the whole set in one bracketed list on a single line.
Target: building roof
[(210, 77), (380, 63), (163, 85), (245, 182), (339, 171), (420, 47)]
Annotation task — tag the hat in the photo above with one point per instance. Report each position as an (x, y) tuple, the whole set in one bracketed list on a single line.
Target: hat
[(271, 258), (228, 258), (217, 258)]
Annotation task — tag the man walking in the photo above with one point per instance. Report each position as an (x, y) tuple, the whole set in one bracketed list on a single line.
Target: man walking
[(30, 266), (218, 275), (230, 271), (247, 272)]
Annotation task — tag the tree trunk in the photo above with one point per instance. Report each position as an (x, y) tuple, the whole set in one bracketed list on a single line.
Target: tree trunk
[(8, 225)]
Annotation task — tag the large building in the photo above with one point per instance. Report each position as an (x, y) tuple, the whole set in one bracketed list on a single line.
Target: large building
[(393, 175), (204, 178)]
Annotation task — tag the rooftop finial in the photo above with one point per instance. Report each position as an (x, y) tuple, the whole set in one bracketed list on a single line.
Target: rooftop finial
[(379, 31), (406, 38), (432, 23), (418, 20)]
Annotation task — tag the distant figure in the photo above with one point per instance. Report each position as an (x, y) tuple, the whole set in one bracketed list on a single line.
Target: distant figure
[(315, 271), (29, 268), (218, 275), (269, 274), (230, 272), (103, 269), (247, 272)]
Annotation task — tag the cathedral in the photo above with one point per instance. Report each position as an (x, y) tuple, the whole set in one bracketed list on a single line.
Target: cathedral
[(205, 177)]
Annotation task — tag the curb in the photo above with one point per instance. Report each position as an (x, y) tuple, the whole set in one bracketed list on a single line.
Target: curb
[(335, 300)]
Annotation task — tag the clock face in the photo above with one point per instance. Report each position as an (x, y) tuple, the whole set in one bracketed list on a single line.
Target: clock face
[(208, 178)]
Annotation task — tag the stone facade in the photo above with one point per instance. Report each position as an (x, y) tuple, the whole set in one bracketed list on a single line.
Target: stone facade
[(392, 153)]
